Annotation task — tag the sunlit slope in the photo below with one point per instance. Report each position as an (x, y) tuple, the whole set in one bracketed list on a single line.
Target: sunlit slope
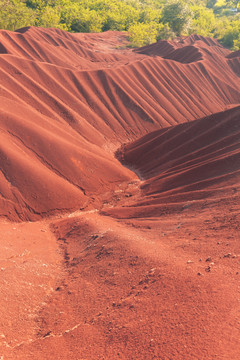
[(68, 101)]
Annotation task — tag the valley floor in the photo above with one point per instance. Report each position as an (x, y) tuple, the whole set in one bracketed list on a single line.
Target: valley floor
[(87, 286)]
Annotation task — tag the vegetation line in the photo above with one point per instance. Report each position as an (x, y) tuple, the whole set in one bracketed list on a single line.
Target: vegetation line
[(145, 20)]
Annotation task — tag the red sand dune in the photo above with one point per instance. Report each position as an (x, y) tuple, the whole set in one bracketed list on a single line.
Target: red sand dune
[(184, 163), (118, 266), (87, 114)]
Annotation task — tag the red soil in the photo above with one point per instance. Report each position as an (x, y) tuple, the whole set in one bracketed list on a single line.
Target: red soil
[(187, 162), (88, 114), (116, 266)]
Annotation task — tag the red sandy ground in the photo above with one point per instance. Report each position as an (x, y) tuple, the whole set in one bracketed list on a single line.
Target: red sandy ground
[(97, 263)]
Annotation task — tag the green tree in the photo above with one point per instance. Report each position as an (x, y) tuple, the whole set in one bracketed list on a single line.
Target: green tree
[(87, 21), (50, 17), (203, 22), (231, 35), (14, 15), (150, 14), (178, 15), (165, 32), (143, 34), (234, 3), (211, 3), (120, 16)]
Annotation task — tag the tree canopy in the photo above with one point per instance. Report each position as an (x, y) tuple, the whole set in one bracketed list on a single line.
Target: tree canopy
[(145, 20), (178, 15)]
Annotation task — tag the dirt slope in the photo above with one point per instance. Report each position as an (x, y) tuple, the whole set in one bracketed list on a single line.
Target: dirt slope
[(187, 162), (69, 100), (135, 257), (161, 289)]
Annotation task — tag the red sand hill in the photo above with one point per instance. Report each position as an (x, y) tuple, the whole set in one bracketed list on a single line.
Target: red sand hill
[(69, 100), (185, 163), (118, 266)]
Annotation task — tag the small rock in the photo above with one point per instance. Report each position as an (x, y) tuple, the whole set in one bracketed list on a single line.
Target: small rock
[(47, 334), (199, 274), (189, 261), (152, 271), (208, 269), (227, 255), (209, 259)]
